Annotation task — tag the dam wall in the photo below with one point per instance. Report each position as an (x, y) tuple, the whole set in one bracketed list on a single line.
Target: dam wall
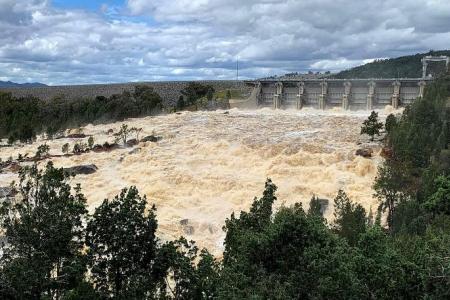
[(349, 94)]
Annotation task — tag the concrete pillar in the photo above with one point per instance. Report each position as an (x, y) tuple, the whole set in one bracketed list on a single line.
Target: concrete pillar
[(323, 95), (371, 95), (396, 94), (277, 97), (422, 85), (424, 67), (347, 94), (301, 95)]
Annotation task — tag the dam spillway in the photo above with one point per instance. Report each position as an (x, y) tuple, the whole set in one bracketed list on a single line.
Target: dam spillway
[(348, 94)]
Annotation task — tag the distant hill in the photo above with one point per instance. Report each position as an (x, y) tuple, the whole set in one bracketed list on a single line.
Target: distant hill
[(9, 84), (405, 67)]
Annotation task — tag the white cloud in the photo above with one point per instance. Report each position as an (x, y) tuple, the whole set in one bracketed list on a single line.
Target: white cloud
[(194, 39)]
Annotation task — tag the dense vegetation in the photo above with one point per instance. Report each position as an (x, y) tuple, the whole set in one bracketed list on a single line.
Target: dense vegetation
[(406, 66), (55, 250), (23, 118)]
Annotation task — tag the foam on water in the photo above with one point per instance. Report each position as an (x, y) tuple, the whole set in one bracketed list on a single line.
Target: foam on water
[(209, 164)]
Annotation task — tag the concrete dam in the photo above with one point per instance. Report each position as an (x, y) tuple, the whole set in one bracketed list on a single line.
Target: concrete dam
[(348, 94)]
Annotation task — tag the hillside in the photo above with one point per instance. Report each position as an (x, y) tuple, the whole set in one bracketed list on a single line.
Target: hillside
[(10, 84), (168, 90), (405, 66)]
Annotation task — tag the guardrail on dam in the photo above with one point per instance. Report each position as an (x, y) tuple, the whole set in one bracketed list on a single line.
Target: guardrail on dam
[(354, 94)]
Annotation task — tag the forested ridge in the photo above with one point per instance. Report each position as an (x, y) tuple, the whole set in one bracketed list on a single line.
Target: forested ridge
[(409, 66), (53, 249)]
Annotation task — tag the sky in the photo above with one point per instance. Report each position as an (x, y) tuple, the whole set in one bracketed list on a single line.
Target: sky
[(99, 41)]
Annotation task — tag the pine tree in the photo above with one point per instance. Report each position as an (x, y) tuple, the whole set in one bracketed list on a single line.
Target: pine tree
[(350, 218), (122, 247), (371, 126), (44, 233)]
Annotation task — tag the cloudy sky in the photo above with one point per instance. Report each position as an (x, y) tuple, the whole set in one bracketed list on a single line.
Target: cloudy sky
[(101, 41)]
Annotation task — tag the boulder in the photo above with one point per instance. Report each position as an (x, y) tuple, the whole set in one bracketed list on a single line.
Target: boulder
[(151, 138), (188, 230), (97, 148), (76, 136), (106, 147), (132, 142), (135, 151), (364, 152), (110, 131), (386, 152), (82, 170)]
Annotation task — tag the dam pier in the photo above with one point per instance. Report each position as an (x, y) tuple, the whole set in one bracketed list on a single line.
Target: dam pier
[(349, 94)]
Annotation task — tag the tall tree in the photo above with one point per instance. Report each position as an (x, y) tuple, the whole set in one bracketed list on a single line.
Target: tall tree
[(350, 218), (42, 256), (123, 246), (371, 126)]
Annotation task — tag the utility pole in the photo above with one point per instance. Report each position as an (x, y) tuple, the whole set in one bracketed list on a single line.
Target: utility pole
[(237, 68)]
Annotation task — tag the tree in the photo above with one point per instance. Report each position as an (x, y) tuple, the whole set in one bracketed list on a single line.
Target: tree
[(210, 93), (122, 255), (79, 148), (180, 103), (136, 131), (315, 207), (44, 232), (42, 151), (391, 122), (228, 95), (194, 91), (350, 218), (90, 142), (192, 275), (391, 187), (123, 133), (439, 201), (371, 126), (65, 148), (288, 255)]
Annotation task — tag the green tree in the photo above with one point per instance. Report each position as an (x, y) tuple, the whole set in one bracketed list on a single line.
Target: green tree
[(180, 103), (350, 218), (42, 151), (289, 255), (42, 257), (228, 95), (191, 275), (371, 126), (123, 246), (65, 148), (123, 134), (391, 187), (210, 93), (194, 91), (439, 201), (315, 207), (90, 142), (391, 122)]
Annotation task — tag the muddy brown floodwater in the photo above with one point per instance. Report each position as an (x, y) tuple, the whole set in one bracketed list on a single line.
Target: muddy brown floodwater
[(209, 164)]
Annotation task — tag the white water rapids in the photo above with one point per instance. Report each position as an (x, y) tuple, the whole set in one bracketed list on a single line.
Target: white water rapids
[(209, 164)]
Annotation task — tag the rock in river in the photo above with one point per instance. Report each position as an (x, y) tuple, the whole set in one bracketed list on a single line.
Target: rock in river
[(82, 169)]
